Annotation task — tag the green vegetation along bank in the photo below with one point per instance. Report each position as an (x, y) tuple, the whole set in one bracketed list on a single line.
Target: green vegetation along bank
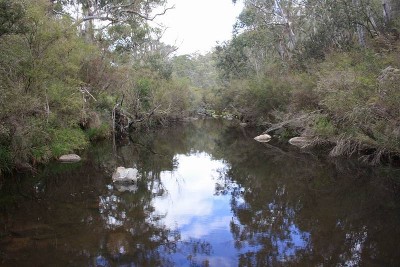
[(327, 70), (65, 66)]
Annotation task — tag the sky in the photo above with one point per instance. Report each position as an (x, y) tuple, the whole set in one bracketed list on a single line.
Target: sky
[(197, 25)]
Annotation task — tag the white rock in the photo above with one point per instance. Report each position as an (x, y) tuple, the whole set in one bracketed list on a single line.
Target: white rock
[(123, 174), (69, 158), (263, 138)]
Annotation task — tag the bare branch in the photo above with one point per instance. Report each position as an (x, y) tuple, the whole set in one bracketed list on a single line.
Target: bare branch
[(130, 11), (116, 14)]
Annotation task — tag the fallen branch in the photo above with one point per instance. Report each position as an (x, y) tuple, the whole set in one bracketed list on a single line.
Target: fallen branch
[(85, 90), (148, 115), (277, 126)]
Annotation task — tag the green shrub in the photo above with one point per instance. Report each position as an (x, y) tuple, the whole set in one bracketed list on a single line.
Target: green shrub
[(105, 101), (102, 132), (41, 154), (324, 127), (67, 140), (287, 133)]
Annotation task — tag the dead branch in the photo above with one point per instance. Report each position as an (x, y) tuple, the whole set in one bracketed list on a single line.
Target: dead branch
[(119, 13), (282, 124)]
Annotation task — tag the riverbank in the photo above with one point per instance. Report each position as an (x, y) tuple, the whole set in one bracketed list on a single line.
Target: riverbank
[(348, 101), (60, 82)]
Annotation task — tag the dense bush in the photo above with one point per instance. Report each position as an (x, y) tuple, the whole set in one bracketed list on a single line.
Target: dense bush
[(352, 98), (55, 78)]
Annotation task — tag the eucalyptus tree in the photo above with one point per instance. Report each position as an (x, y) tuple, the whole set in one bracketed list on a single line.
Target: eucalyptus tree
[(123, 30), (391, 10), (281, 20), (198, 69), (244, 55), (295, 27), (97, 15)]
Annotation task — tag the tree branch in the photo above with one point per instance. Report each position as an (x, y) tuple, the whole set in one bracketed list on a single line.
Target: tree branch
[(117, 14)]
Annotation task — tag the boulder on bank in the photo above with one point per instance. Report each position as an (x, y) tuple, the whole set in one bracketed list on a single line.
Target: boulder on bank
[(69, 158), (300, 141), (263, 138), (123, 174)]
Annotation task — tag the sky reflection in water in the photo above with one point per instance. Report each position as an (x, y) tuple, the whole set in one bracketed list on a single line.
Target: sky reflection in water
[(191, 206)]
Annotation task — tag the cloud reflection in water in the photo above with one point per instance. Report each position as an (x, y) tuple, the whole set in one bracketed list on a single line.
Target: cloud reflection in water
[(191, 206)]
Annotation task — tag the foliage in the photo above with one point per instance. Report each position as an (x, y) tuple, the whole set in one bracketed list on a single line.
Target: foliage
[(11, 15), (359, 104), (102, 132), (324, 127), (153, 100), (335, 60), (199, 69), (53, 74), (67, 140)]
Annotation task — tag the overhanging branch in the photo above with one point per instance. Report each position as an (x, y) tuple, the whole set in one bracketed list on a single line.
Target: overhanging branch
[(119, 14)]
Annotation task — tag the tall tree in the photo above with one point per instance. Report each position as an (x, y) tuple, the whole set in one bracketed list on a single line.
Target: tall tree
[(104, 13), (310, 27)]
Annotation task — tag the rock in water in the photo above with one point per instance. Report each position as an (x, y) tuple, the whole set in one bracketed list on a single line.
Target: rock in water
[(123, 174), (69, 158), (300, 141), (263, 138), (122, 187)]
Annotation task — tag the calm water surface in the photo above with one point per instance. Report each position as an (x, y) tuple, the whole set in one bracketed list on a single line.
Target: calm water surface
[(209, 195)]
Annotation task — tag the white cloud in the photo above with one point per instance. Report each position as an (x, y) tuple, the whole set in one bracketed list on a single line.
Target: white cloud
[(196, 25), (202, 229), (190, 197)]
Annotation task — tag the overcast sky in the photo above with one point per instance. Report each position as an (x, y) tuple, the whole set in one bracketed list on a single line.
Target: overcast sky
[(196, 25)]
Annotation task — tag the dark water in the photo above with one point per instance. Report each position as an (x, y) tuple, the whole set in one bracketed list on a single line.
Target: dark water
[(209, 196)]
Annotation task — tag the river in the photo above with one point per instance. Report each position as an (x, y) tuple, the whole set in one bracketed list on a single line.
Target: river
[(208, 195)]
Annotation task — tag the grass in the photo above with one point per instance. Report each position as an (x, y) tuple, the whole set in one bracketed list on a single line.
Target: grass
[(67, 140)]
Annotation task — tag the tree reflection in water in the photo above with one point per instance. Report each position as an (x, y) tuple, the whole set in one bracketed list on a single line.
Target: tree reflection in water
[(290, 209), (255, 205), (295, 209)]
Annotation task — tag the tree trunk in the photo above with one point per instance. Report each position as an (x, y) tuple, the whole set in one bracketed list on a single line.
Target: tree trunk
[(386, 4), (89, 31), (360, 27), (395, 9), (361, 35)]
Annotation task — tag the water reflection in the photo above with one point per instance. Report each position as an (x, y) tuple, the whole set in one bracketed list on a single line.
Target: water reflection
[(209, 196), (190, 206)]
